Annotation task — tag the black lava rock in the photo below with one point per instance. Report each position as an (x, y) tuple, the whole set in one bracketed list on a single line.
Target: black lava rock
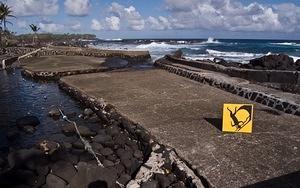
[(53, 181), (27, 121), (273, 62), (150, 184), (64, 170)]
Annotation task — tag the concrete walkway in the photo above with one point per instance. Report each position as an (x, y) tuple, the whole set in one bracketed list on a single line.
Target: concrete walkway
[(186, 115)]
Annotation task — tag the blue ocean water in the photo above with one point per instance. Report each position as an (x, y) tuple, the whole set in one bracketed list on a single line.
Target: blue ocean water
[(239, 50)]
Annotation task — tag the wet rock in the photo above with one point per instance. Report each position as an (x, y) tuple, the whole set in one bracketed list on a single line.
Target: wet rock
[(88, 174), (123, 154), (48, 147), (124, 179), (121, 139), (53, 181), (273, 61), (29, 129), (78, 144), (138, 154), (96, 146), (69, 130), (163, 180), (120, 169), (113, 131), (67, 146), (88, 112), (19, 157), (108, 163), (102, 139), (64, 170), (85, 131), (42, 169), (86, 157), (54, 113), (27, 121), (135, 165), (179, 184), (178, 54), (106, 151), (150, 184)]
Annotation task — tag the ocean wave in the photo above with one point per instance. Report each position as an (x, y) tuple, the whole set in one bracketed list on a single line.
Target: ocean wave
[(155, 45), (119, 39), (211, 40), (231, 54), (286, 44)]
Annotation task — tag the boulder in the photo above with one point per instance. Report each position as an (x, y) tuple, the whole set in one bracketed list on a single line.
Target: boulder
[(27, 121), (48, 147), (106, 151), (64, 170), (150, 184), (88, 112), (124, 179), (163, 180), (69, 130), (19, 157), (178, 54), (297, 64), (53, 181), (102, 139), (90, 175), (273, 62), (54, 113)]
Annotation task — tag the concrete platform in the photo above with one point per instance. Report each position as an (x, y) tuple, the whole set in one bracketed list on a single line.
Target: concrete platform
[(53, 67), (62, 63), (186, 115)]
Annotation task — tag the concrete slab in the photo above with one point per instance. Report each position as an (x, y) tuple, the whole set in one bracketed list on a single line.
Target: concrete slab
[(186, 115), (62, 63)]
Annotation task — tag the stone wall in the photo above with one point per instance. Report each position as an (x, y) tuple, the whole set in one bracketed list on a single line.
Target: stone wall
[(272, 76), (257, 96)]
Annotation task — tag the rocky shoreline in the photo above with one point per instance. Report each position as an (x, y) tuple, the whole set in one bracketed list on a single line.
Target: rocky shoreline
[(64, 162)]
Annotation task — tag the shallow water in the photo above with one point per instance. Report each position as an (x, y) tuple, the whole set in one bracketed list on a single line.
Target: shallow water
[(20, 97)]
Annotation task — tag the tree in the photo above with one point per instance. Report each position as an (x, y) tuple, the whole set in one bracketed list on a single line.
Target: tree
[(35, 29), (5, 13)]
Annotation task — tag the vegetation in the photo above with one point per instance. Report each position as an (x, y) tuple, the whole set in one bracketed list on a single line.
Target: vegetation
[(5, 14), (35, 29)]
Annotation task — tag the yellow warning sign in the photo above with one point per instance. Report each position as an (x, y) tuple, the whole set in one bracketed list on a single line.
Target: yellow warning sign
[(237, 118)]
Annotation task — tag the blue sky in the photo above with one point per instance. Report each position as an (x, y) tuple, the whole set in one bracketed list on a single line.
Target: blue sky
[(276, 19)]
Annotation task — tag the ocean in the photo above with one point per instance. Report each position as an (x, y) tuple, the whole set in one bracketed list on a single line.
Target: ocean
[(238, 50)]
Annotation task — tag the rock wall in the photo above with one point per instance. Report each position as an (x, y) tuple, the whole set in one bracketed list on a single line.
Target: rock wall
[(257, 96), (272, 76)]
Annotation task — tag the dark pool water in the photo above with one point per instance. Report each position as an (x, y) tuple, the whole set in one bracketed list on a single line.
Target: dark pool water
[(20, 97)]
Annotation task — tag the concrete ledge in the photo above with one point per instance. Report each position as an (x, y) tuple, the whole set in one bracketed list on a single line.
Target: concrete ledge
[(266, 99), (273, 76)]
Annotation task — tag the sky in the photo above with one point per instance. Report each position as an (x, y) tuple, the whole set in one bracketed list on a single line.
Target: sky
[(260, 19)]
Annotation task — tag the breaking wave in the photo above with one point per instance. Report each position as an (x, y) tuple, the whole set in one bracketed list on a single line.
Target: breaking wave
[(286, 44)]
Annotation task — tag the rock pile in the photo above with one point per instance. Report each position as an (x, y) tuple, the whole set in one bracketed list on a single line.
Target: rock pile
[(63, 161)]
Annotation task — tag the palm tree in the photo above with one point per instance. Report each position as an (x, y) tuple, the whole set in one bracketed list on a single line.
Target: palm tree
[(35, 29), (5, 13)]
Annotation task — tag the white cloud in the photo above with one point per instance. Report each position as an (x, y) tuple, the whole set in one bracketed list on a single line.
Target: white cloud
[(160, 23), (50, 27), (77, 7), (96, 26), (129, 14), (231, 15), (113, 23), (34, 7), (75, 26)]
